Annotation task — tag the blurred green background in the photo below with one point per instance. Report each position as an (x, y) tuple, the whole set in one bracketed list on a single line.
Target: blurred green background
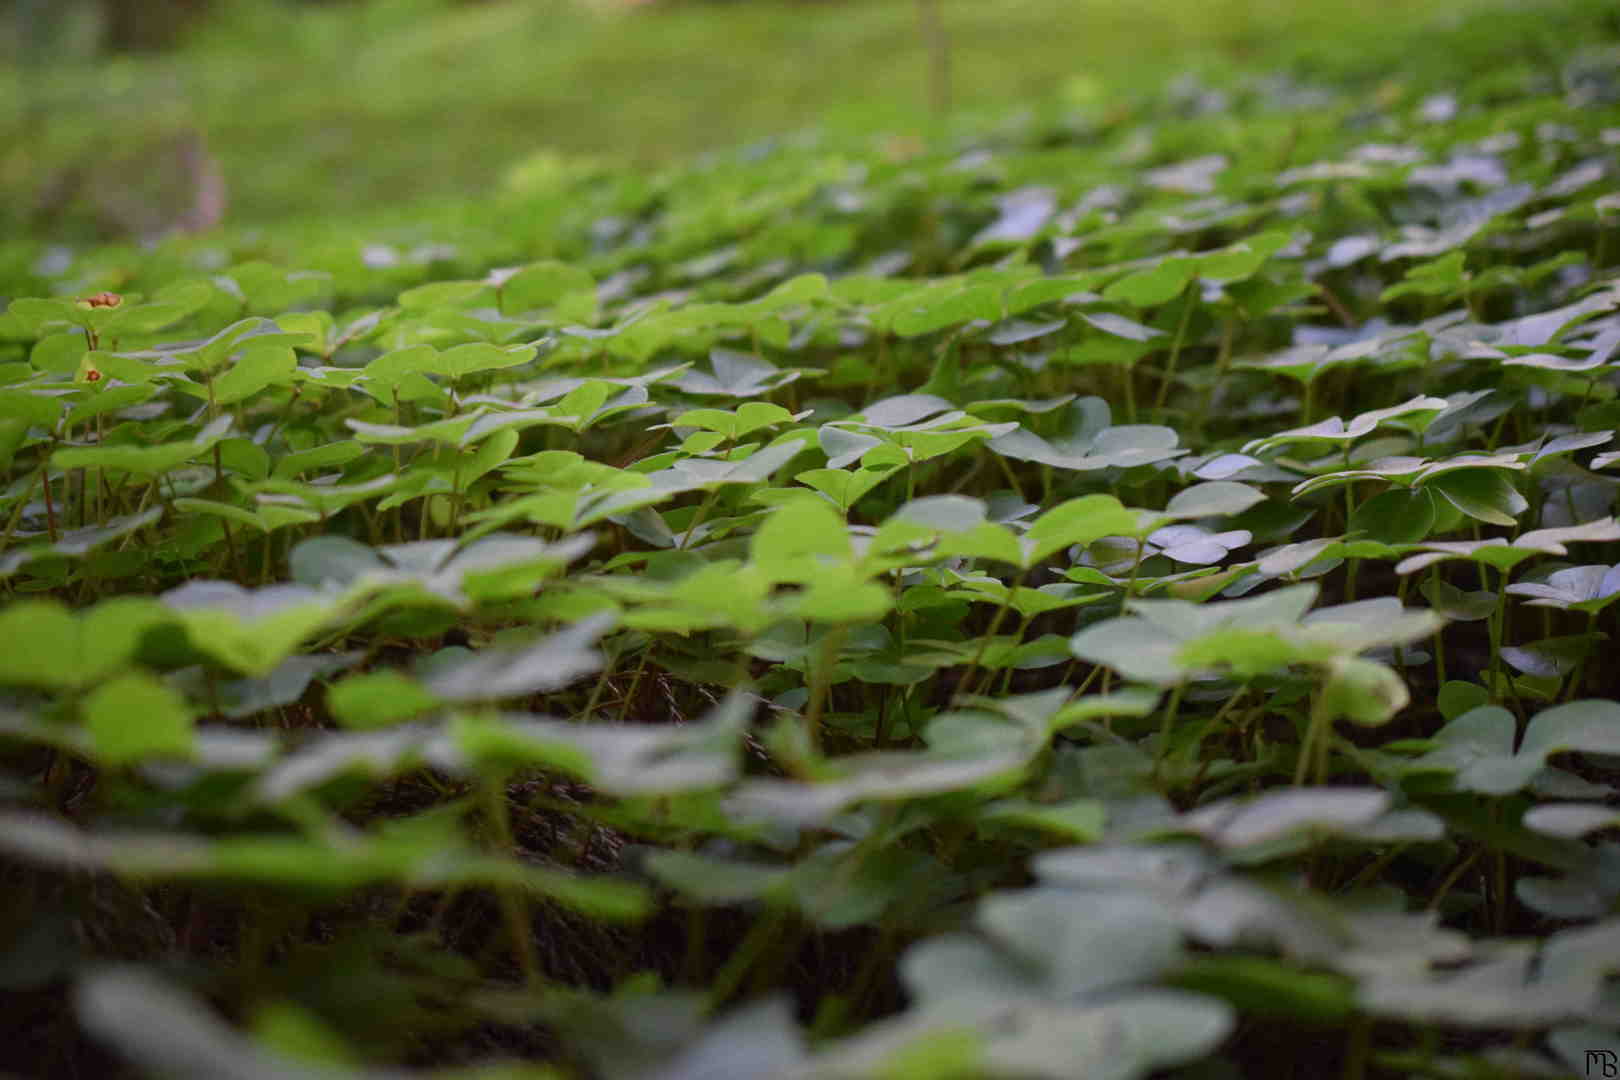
[(129, 117)]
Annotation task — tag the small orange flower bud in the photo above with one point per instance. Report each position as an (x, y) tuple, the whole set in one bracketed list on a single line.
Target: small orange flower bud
[(102, 299)]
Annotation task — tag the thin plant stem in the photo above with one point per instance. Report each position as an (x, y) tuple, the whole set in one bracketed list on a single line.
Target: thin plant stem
[(513, 909), (1451, 879), (831, 645), (635, 682), (1169, 375), (1313, 749), (16, 511), (749, 950), (50, 506), (1356, 1049), (698, 519), (989, 634), (1167, 728)]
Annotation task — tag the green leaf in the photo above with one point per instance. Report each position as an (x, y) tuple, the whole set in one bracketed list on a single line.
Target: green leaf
[(1456, 698), (61, 353), (133, 717), (1485, 494), (543, 284), (378, 699), (35, 314), (803, 289), (250, 631), (1081, 520), (939, 308), (1443, 277), (497, 672), (388, 373), (257, 367), (1155, 285), (1290, 814), (212, 354), (844, 486), (144, 460), (623, 761), (1396, 516), (168, 1032), (298, 1034), (33, 410), (1111, 939), (1478, 745), (439, 294), (1260, 986), (1078, 821), (1243, 259), (464, 360), (43, 645), (330, 455), (800, 540), (709, 880), (1363, 691), (1215, 498), (1133, 647), (841, 599)]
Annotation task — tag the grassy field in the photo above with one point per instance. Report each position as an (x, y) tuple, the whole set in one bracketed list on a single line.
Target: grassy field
[(342, 107)]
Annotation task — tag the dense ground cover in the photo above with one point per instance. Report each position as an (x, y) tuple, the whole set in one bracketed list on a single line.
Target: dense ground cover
[(1122, 590)]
